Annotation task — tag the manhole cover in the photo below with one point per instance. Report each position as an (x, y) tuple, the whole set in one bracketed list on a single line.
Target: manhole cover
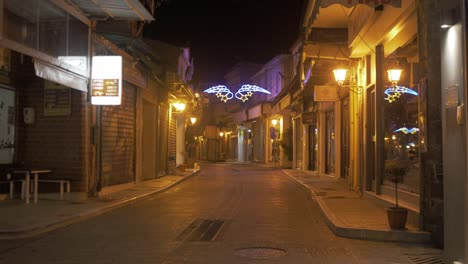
[(260, 253)]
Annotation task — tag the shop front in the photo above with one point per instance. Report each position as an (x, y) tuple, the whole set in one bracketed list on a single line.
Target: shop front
[(43, 86)]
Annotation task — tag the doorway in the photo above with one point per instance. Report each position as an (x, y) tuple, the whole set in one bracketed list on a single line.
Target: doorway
[(371, 138), (313, 147)]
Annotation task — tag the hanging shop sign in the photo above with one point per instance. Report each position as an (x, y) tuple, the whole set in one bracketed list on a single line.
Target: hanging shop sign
[(326, 93), (351, 3), (309, 118), (106, 80)]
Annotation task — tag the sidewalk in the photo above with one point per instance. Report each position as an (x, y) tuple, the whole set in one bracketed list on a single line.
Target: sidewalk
[(350, 215), (20, 220)]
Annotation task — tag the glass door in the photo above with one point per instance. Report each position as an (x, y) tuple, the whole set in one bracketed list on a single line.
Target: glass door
[(345, 139), (313, 147), (330, 142)]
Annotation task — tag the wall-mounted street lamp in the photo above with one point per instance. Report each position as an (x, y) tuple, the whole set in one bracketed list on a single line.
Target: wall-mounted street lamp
[(394, 76), (193, 120), (340, 77), (221, 134), (274, 122), (179, 106)]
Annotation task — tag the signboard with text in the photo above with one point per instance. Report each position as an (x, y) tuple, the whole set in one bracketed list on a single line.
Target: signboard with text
[(106, 80), (326, 93)]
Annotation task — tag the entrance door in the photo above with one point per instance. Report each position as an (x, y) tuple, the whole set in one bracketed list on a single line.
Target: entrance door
[(162, 139), (298, 142), (345, 139), (371, 138), (313, 147), (330, 142), (149, 141)]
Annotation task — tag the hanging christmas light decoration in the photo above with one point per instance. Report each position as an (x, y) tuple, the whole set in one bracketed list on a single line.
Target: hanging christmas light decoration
[(221, 92), (393, 93), (244, 93), (406, 130), (247, 90)]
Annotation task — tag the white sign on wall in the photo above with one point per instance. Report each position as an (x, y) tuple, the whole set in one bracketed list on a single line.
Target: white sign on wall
[(106, 80)]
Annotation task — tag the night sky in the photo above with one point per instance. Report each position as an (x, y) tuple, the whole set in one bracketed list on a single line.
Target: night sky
[(223, 32)]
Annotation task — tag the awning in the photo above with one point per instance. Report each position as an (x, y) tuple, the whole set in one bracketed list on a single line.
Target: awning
[(326, 51), (58, 75), (115, 9)]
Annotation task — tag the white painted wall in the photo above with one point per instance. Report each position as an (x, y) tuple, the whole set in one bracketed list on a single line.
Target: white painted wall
[(454, 144)]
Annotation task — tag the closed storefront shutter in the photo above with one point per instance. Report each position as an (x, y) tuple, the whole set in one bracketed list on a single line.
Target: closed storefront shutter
[(162, 140), (258, 144), (172, 145), (118, 140)]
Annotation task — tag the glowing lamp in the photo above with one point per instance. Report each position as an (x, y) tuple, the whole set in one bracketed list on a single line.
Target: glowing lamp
[(193, 120), (274, 122), (221, 134), (179, 106), (340, 76), (394, 76)]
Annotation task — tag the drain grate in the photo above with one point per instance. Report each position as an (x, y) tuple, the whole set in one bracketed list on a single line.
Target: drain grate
[(425, 260), (201, 230), (320, 193), (330, 252), (260, 252), (335, 197)]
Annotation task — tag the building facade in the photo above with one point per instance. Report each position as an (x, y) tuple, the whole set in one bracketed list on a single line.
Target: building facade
[(375, 121), (51, 122)]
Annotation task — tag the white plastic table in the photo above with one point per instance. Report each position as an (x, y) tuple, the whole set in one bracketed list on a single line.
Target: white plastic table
[(35, 173)]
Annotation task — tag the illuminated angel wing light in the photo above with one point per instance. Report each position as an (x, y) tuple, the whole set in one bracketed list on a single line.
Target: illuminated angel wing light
[(394, 93), (221, 92), (406, 130), (247, 90)]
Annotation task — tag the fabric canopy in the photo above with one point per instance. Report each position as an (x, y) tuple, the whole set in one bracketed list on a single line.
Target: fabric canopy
[(58, 75)]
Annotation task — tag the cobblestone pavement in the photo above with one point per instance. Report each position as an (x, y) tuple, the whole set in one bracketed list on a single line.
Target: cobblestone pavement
[(225, 214)]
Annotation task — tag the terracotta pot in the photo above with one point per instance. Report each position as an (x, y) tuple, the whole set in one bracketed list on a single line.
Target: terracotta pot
[(397, 217)]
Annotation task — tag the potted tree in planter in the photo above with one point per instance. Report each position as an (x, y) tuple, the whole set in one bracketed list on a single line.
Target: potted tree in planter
[(395, 172), (287, 143)]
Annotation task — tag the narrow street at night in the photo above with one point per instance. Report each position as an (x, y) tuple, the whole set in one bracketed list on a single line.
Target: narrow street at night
[(228, 213)]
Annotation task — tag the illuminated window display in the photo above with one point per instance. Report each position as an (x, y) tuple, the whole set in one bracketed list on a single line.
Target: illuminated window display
[(402, 130)]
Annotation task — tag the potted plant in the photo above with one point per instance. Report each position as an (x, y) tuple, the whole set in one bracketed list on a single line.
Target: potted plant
[(395, 172), (287, 143)]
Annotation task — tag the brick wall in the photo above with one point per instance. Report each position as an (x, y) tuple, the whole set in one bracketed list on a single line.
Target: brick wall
[(55, 142), (118, 139)]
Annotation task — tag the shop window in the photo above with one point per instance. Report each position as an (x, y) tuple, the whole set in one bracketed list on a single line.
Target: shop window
[(402, 131), (52, 37), (7, 125), (44, 27)]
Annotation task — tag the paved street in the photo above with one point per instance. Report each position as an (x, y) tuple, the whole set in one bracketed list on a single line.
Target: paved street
[(225, 214)]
